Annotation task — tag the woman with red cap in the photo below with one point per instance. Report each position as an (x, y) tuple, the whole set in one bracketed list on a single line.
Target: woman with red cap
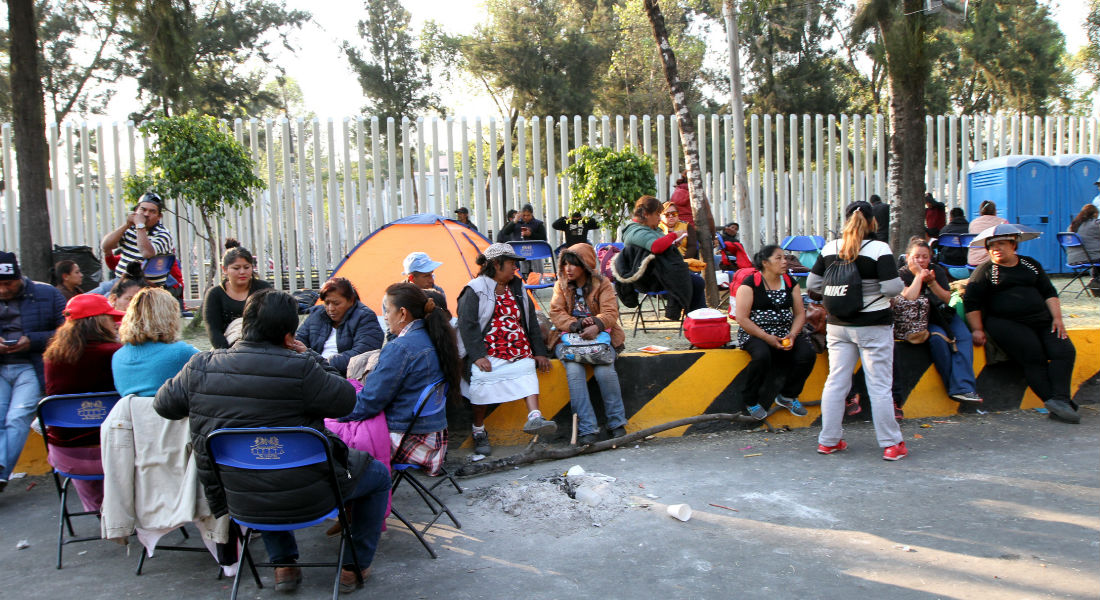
[(77, 361)]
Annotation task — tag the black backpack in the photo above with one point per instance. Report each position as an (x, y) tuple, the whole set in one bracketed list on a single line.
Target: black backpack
[(842, 290)]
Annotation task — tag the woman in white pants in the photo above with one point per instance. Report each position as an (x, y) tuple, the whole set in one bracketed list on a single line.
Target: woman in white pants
[(868, 335)]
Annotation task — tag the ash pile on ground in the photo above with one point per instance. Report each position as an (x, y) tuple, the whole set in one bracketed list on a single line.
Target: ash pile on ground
[(557, 502)]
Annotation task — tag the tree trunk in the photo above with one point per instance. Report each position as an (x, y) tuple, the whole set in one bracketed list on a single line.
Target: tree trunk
[(29, 116), (907, 78), (212, 241), (700, 206)]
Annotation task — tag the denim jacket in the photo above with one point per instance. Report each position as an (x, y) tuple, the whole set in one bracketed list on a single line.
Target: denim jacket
[(405, 366)]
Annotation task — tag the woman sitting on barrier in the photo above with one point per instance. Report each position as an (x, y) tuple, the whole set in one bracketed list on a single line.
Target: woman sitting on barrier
[(1011, 300), (423, 352), (650, 262), (949, 339), (151, 352), (1087, 228), (503, 344), (224, 303), (342, 327), (770, 313), (78, 361), (584, 305)]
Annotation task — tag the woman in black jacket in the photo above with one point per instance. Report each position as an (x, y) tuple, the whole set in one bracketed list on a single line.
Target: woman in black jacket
[(342, 327)]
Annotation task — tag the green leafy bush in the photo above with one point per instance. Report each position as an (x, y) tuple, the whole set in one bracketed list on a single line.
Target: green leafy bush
[(606, 183)]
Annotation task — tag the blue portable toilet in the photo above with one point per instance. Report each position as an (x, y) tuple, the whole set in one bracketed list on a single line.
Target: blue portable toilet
[(1024, 189), (1077, 175)]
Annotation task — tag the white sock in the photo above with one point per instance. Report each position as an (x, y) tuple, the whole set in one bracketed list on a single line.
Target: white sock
[(479, 429), (533, 414)]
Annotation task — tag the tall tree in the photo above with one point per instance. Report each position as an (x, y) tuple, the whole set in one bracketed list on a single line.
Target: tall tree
[(1009, 56), (29, 115), (906, 32), (700, 206), (634, 82), (392, 71), (200, 54)]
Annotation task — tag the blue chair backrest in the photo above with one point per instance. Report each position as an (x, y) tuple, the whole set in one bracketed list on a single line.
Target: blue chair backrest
[(618, 245), (803, 243), (1068, 239), (955, 240), (432, 400), (268, 448), (76, 410), (159, 265), (532, 249)]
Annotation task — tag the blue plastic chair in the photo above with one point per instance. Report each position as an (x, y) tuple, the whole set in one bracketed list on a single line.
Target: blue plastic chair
[(264, 449), (955, 240), (1067, 240), (80, 411), (536, 250), (803, 243), (602, 245), (432, 401), (159, 265)]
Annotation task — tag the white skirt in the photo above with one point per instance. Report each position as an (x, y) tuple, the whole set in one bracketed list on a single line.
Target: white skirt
[(507, 381)]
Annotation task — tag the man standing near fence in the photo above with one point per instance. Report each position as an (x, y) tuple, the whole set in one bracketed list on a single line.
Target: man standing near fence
[(141, 237)]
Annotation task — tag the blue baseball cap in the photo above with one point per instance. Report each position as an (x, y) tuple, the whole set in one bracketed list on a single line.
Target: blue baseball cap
[(419, 262)]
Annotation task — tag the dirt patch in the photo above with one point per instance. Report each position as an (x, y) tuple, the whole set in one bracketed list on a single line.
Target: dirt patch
[(551, 502)]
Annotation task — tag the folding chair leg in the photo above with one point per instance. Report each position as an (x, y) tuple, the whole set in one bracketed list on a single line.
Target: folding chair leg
[(339, 567), (245, 556), (62, 518), (442, 507), (415, 532), (444, 477)]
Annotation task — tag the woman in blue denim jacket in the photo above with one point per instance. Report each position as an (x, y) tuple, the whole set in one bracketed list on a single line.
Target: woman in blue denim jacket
[(423, 352)]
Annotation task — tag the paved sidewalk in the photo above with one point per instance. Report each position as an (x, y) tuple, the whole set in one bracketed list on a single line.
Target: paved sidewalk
[(995, 506)]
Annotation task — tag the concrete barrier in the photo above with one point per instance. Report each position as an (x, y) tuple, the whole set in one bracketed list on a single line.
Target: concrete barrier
[(665, 387)]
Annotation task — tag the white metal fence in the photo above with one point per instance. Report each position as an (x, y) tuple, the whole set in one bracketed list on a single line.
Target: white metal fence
[(330, 183)]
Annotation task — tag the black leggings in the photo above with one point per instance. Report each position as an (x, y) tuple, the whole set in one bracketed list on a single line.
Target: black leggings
[(797, 363), (1047, 359)]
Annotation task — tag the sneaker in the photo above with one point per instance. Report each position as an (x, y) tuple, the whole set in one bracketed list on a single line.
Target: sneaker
[(757, 412), (617, 432), (966, 397), (348, 583), (851, 405), (1062, 410), (539, 426), (823, 449), (287, 579), (895, 452), (588, 439), (481, 443), (791, 404)]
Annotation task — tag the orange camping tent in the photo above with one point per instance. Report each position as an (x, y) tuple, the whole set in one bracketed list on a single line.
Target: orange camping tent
[(375, 262)]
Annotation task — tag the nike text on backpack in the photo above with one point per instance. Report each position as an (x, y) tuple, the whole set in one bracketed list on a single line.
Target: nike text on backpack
[(842, 289)]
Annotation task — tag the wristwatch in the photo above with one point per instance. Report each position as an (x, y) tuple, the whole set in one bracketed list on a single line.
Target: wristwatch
[(139, 225)]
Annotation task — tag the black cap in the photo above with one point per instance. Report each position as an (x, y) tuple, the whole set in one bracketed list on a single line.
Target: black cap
[(861, 206), (462, 210), (152, 197), (9, 267)]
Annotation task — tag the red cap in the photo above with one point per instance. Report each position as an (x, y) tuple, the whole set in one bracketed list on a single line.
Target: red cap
[(90, 305)]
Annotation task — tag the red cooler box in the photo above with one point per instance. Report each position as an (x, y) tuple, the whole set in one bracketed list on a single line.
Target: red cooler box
[(707, 328)]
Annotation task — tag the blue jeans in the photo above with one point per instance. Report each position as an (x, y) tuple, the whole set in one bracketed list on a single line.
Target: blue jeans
[(19, 395), (955, 368), (608, 380), (366, 511)]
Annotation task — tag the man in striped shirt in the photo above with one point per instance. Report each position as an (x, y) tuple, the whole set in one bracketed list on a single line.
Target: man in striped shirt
[(141, 237)]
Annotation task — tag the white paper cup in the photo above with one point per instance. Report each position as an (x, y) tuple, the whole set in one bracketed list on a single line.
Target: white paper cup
[(679, 511)]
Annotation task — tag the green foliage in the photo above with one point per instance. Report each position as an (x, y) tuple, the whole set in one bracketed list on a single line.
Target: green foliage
[(634, 82), (1009, 56), (200, 54), (606, 183), (539, 54), (391, 70), (196, 160)]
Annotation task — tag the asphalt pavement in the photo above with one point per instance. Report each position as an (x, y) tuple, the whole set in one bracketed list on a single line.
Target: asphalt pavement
[(986, 506)]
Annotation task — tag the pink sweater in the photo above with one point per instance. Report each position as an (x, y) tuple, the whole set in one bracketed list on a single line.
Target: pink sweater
[(977, 256)]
